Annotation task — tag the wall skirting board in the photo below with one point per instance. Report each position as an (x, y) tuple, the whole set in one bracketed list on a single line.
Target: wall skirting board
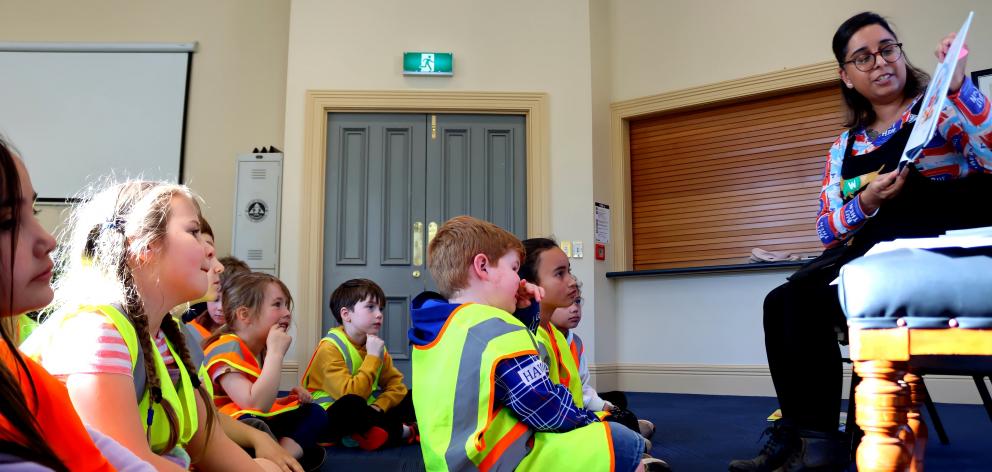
[(746, 380), (290, 375)]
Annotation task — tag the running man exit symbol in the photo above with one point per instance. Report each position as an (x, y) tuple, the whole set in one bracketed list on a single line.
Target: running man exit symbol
[(426, 62)]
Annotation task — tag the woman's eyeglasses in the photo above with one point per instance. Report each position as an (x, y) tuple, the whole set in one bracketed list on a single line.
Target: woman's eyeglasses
[(866, 61)]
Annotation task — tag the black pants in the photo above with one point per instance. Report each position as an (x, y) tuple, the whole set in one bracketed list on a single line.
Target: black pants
[(351, 414), (302, 425), (801, 319)]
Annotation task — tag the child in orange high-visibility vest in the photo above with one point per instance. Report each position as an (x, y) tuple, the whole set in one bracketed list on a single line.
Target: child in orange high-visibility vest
[(244, 361)]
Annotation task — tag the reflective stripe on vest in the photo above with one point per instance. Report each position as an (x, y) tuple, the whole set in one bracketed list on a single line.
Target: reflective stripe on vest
[(461, 425), (352, 359), (197, 332), (231, 351), (577, 349), (562, 366)]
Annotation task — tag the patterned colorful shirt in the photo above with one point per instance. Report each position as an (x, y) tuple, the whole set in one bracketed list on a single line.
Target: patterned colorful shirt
[(960, 147)]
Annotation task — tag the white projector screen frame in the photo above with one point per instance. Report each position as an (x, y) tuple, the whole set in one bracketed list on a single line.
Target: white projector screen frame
[(77, 112)]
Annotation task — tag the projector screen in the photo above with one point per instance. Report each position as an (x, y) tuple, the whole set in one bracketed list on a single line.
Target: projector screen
[(78, 112)]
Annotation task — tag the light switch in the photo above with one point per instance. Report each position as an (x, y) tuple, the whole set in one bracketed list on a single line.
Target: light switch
[(577, 249), (566, 247)]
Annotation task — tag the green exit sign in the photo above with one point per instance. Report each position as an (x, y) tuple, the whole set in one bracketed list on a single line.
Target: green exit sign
[(428, 63)]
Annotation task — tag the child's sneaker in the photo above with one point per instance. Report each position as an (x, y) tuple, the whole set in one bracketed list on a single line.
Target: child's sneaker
[(372, 439), (414, 437), (653, 464), (313, 458), (646, 428)]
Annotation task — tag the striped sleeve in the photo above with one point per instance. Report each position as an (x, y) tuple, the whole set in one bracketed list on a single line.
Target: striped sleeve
[(836, 221), (969, 127), (88, 343)]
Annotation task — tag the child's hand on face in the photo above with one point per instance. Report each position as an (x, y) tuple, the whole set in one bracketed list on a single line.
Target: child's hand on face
[(302, 394), (374, 345), (278, 340), (527, 292)]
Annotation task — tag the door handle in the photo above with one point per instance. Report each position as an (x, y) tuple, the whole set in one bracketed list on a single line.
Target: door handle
[(431, 232), (418, 243)]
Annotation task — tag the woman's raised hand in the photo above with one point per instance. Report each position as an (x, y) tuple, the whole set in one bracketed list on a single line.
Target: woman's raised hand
[(958, 77)]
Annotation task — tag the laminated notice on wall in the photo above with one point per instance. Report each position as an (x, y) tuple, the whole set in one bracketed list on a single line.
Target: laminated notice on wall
[(602, 212)]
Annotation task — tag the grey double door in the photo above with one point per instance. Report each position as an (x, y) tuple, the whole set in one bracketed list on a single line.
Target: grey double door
[(393, 179)]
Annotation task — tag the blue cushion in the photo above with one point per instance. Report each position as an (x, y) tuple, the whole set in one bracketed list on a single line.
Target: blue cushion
[(924, 288)]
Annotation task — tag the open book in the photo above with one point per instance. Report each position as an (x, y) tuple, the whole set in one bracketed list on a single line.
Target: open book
[(934, 99)]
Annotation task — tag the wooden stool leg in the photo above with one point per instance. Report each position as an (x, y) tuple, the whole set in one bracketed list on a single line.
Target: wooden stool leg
[(915, 420), (881, 414)]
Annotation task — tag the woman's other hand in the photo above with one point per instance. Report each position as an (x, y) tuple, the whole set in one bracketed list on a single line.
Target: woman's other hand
[(884, 187)]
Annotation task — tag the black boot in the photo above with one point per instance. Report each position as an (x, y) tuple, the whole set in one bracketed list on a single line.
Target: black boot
[(783, 440), (819, 452)]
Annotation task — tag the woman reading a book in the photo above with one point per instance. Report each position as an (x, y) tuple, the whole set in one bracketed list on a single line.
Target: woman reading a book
[(866, 198)]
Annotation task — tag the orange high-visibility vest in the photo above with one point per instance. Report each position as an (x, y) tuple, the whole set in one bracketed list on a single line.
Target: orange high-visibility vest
[(230, 350)]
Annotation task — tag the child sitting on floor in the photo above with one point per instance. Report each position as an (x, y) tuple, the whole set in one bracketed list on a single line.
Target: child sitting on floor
[(565, 320), (352, 375), (548, 266), (244, 360)]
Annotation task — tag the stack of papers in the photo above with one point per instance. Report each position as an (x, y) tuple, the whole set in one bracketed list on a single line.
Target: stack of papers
[(964, 238)]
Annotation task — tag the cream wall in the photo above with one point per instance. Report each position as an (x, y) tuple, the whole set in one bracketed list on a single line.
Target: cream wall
[(677, 44), (705, 330), (514, 45), (238, 77)]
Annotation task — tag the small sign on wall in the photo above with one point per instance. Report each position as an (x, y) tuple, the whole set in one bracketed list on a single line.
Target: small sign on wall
[(602, 218), (428, 63)]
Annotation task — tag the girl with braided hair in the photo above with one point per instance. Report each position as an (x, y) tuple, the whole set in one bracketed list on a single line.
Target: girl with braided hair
[(132, 252)]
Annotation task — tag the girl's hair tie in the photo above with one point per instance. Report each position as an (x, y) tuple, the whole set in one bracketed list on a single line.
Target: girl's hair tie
[(114, 223), (157, 394)]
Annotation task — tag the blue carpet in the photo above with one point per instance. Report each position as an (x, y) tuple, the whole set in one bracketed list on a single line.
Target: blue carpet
[(704, 432)]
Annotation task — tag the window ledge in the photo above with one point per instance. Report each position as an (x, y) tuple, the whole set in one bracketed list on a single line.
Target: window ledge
[(757, 266)]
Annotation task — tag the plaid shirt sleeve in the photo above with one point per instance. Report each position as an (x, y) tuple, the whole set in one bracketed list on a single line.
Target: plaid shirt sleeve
[(523, 385)]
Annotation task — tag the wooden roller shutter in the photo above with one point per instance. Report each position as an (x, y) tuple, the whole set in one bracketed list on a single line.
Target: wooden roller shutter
[(709, 185)]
